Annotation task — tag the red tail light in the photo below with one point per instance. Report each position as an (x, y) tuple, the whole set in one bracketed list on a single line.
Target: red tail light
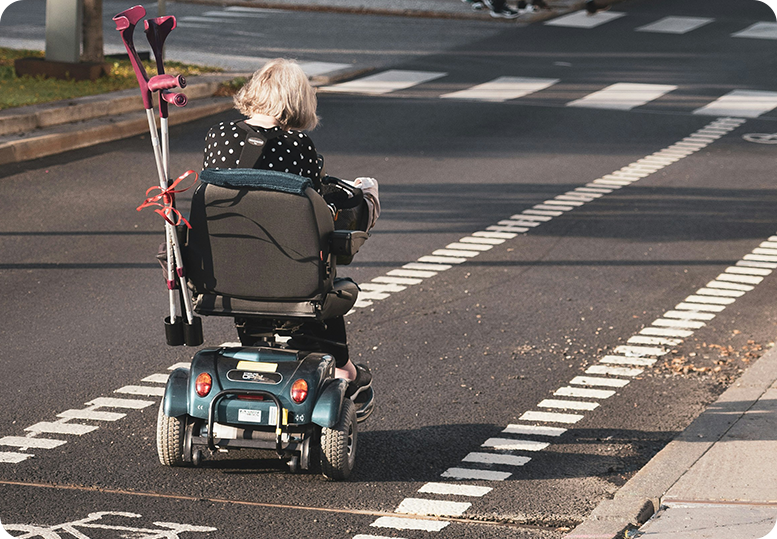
[(203, 384), (299, 391)]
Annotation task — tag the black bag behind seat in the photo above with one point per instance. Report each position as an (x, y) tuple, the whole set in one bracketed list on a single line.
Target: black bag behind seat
[(259, 244)]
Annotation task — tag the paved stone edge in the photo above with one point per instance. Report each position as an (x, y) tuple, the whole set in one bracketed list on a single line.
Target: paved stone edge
[(641, 497)]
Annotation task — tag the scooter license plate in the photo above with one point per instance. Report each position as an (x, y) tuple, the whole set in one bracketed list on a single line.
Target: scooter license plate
[(260, 417)]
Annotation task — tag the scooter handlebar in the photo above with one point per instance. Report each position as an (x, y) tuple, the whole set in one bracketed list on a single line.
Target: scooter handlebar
[(165, 82), (129, 17), (174, 98)]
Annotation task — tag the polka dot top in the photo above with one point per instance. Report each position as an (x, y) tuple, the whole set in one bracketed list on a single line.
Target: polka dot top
[(292, 152)]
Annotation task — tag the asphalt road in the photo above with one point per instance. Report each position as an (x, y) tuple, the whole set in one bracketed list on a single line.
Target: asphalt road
[(457, 357)]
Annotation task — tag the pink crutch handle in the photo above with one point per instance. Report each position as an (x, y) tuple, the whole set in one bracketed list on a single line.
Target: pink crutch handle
[(129, 17), (125, 24), (165, 82), (179, 100)]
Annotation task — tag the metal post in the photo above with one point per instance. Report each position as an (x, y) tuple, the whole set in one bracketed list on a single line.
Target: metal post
[(63, 30), (160, 5)]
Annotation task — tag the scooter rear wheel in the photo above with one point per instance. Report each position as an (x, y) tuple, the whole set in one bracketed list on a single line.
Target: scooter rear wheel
[(170, 432), (338, 445)]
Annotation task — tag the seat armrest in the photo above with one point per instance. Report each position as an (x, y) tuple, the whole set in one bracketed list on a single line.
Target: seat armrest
[(347, 242)]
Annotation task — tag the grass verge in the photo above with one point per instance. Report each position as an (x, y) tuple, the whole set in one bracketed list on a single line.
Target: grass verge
[(20, 91)]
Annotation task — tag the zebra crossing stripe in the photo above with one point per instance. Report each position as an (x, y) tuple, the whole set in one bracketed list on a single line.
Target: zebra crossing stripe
[(759, 30), (743, 103), (581, 19), (384, 82), (623, 96), (61, 428), (502, 89)]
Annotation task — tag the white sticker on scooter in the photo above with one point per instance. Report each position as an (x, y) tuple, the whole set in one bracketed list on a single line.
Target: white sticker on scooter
[(249, 416)]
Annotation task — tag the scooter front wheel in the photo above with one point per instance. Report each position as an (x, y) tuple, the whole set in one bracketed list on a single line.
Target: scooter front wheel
[(338, 445), (170, 434)]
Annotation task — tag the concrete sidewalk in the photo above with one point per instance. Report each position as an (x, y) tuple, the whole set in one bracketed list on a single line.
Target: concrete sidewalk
[(716, 480)]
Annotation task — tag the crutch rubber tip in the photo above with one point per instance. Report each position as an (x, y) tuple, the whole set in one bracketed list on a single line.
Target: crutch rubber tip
[(174, 332), (192, 333)]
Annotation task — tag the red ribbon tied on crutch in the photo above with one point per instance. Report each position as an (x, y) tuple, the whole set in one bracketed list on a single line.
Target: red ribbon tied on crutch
[(167, 197)]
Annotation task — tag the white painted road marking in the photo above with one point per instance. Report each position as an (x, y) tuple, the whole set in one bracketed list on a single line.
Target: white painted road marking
[(502, 89), (581, 19), (623, 96), (745, 103), (450, 489), (384, 82), (418, 506), (398, 523)]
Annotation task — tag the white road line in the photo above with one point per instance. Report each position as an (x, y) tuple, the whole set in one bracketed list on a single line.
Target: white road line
[(679, 323), (481, 241), (721, 292), (411, 273), (583, 393), (479, 475), (640, 351), (469, 247), (432, 508), (689, 315), (14, 458), (710, 300), (748, 271), (61, 428), (110, 402), (449, 489), (550, 417), (623, 360), (667, 332), (623, 96), (689, 306), (91, 415), (496, 458), (508, 444), (745, 103), (675, 25), (34, 443), (567, 405), (441, 260), (398, 523), (142, 390), (382, 287), (502, 89), (598, 382), (181, 365), (385, 82), (642, 339), (366, 536), (454, 252), (156, 378), (759, 30), (613, 371), (581, 19), (397, 280), (534, 430)]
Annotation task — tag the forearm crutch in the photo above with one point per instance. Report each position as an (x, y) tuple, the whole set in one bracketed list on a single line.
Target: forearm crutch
[(177, 331)]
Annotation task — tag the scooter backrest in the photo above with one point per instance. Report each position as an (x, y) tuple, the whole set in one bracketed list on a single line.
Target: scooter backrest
[(259, 235)]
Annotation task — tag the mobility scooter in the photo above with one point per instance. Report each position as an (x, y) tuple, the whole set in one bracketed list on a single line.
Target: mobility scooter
[(261, 247)]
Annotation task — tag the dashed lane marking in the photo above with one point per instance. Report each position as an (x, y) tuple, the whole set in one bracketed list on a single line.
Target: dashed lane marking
[(581, 19), (675, 25)]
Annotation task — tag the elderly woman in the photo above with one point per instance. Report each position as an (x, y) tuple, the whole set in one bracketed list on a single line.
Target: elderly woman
[(279, 104)]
